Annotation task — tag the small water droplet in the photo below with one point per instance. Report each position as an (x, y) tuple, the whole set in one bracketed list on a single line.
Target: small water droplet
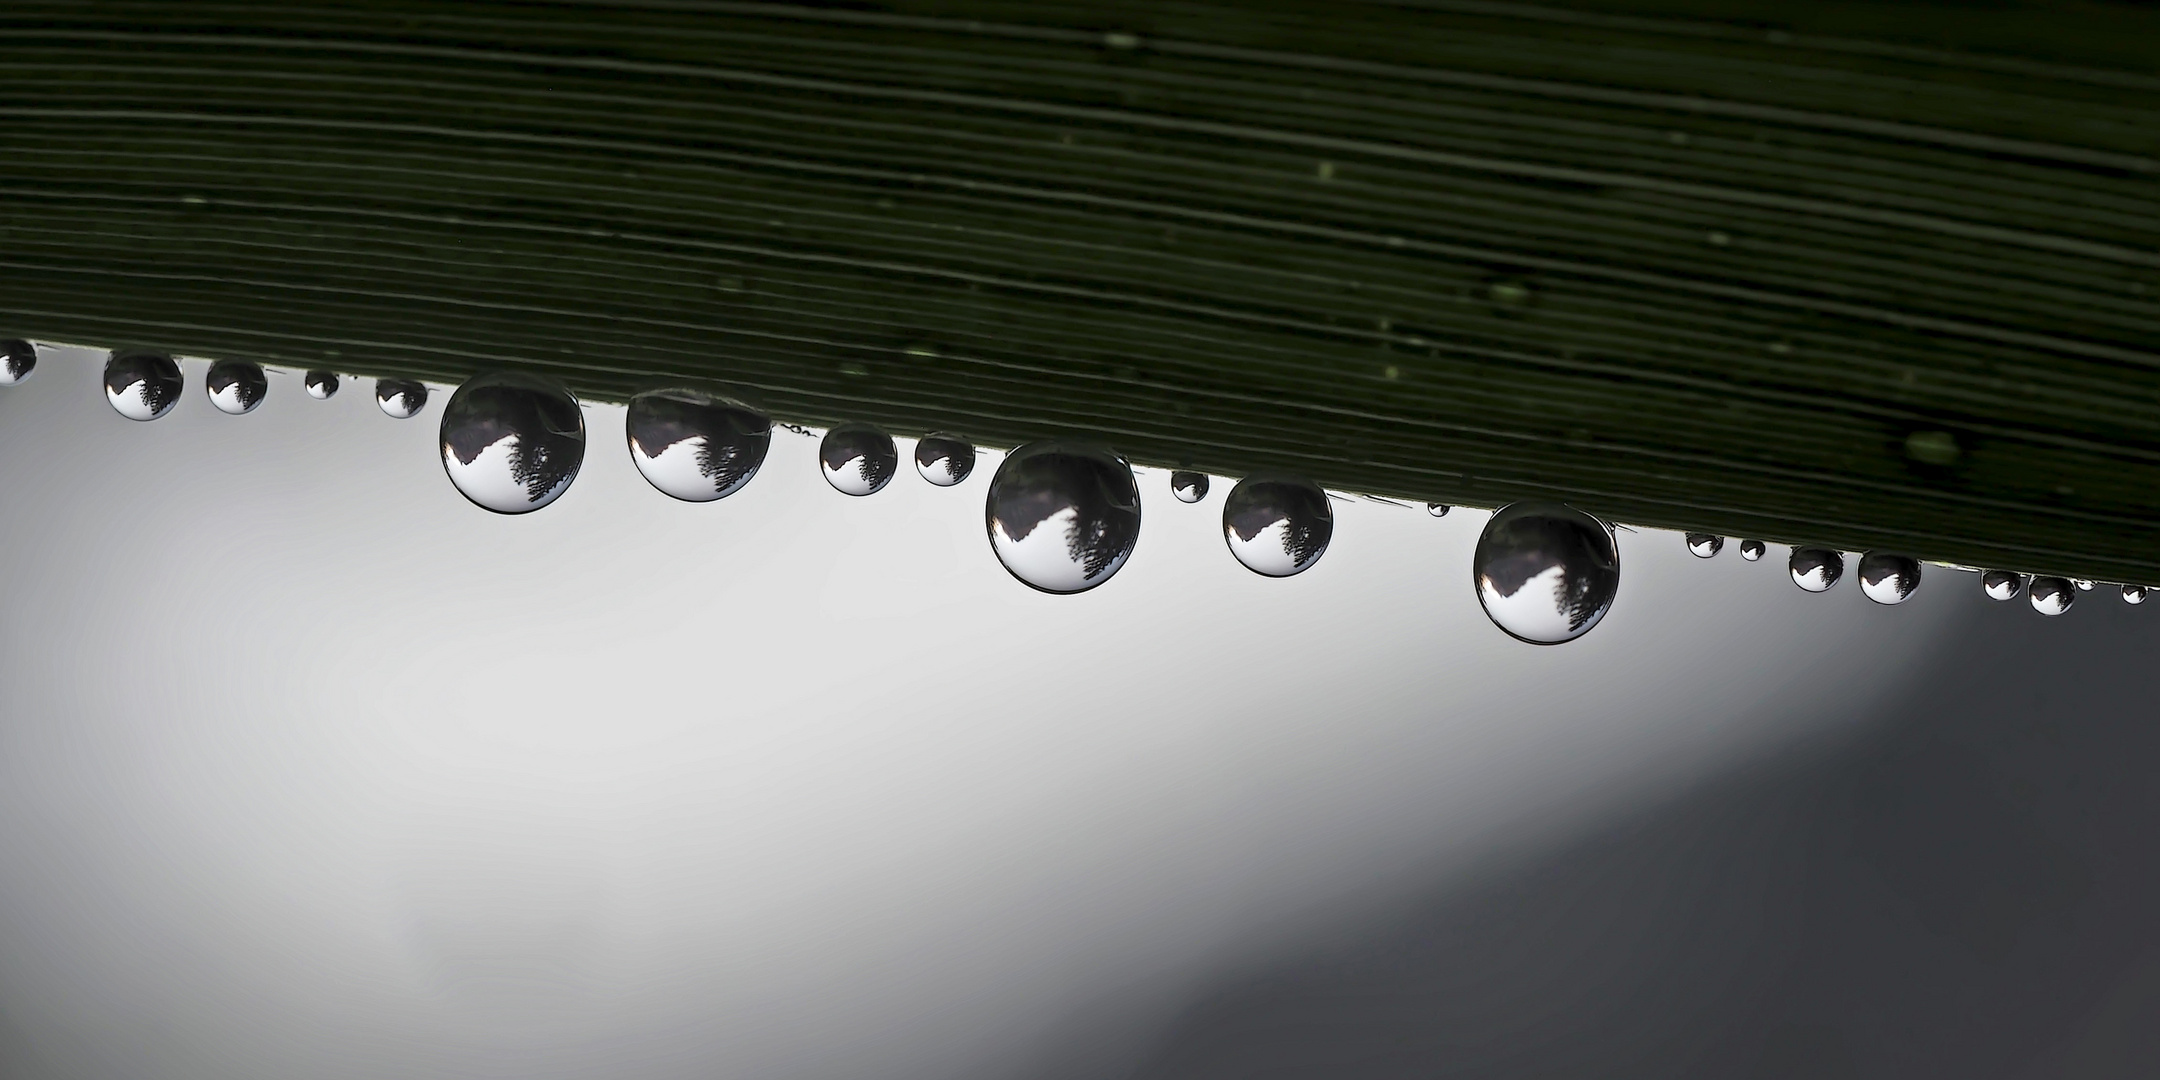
[(1932, 447), (401, 399), (1752, 550), (18, 359), (2133, 594), (143, 385), (322, 385), (858, 459), (1063, 517), (512, 442), (2002, 584), (1277, 526), (1438, 509), (1888, 579), (1704, 545), (1188, 486), (944, 460), (2082, 584), (1545, 573), (236, 386), (2052, 595), (1509, 292), (1816, 569), (695, 446)]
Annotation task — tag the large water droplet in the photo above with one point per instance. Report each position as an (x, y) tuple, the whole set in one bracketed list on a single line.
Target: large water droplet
[(1189, 487), (400, 398), (944, 460), (236, 386), (1888, 579), (2133, 594), (143, 385), (322, 385), (512, 442), (1704, 545), (1752, 550), (2002, 584), (1277, 526), (1063, 517), (693, 445), (1438, 509), (17, 360), (1546, 573), (858, 459), (2052, 595), (1816, 569)]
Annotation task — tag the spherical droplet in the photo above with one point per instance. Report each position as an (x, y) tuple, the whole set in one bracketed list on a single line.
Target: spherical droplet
[(400, 399), (2133, 594), (858, 459), (2002, 584), (1438, 509), (944, 460), (143, 385), (1277, 526), (17, 360), (1704, 545), (1888, 579), (512, 442), (322, 385), (1063, 516), (1189, 487), (2052, 595), (1752, 550), (2082, 584), (1816, 569), (235, 386), (1545, 573), (695, 446)]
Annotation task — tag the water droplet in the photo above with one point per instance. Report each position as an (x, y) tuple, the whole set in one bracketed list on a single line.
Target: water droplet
[(944, 460), (17, 360), (1704, 545), (1063, 517), (143, 385), (235, 386), (401, 399), (1277, 526), (1189, 487), (2002, 584), (2133, 594), (1546, 573), (2052, 595), (695, 446), (1932, 447), (1816, 569), (858, 459), (512, 442), (1888, 579), (2082, 584), (1438, 509), (1752, 550), (322, 385)]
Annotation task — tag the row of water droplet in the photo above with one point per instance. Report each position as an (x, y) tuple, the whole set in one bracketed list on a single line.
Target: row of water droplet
[(1892, 579)]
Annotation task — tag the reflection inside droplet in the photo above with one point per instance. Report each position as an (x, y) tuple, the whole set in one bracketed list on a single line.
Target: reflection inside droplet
[(2052, 595), (1753, 550), (143, 385), (1438, 509), (1816, 569), (400, 398), (858, 459), (18, 359), (512, 442), (322, 385), (2133, 594), (236, 386), (1545, 572), (1189, 487), (1063, 517), (695, 446), (1704, 545), (1277, 526), (2002, 584), (1888, 579), (944, 460)]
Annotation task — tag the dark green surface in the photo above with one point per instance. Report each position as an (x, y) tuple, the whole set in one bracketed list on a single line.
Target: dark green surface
[(1700, 265)]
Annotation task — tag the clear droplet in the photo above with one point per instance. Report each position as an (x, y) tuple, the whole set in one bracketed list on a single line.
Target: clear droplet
[(2002, 584), (693, 445), (143, 385), (1438, 509), (2082, 584), (1545, 572), (1888, 579), (944, 460), (236, 386), (322, 385), (17, 360), (1189, 487), (2133, 594), (2052, 595), (1816, 569), (1063, 516), (1753, 550), (512, 442), (401, 399), (1704, 545), (858, 459), (1277, 526)]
